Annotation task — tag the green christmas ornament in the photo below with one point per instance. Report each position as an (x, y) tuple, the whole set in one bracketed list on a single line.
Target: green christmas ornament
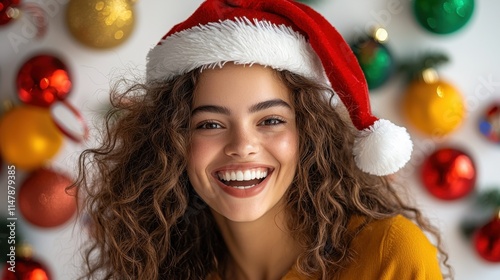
[(375, 58), (443, 16)]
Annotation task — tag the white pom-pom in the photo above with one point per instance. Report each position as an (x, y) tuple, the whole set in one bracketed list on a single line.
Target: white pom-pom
[(383, 148)]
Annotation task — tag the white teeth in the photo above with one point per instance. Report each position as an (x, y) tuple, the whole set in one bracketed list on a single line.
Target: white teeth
[(243, 175), (244, 187), (247, 175)]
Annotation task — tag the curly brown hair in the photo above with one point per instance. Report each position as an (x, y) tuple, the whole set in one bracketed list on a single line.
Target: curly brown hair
[(148, 222)]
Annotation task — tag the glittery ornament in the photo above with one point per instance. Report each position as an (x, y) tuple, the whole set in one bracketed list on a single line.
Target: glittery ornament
[(443, 16), (43, 199), (29, 137), (42, 80), (375, 58), (487, 240), (489, 123), (8, 10), (449, 174), (100, 23)]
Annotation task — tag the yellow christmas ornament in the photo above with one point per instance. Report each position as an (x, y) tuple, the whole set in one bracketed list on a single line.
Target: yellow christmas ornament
[(28, 137), (432, 105), (100, 24)]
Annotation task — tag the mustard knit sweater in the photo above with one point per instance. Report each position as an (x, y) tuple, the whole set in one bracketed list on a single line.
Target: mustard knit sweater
[(393, 248)]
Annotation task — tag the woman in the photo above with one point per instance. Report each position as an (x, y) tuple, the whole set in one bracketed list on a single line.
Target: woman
[(236, 160)]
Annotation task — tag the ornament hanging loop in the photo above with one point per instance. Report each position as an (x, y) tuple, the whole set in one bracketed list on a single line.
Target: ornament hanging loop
[(37, 16)]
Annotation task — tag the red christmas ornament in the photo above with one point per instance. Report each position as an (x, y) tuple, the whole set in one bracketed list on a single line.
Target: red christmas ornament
[(487, 240), (7, 10), (42, 80), (449, 174), (24, 267), (43, 199), (27, 269), (12, 9)]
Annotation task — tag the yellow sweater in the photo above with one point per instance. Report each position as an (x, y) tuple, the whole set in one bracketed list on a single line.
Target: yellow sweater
[(388, 249)]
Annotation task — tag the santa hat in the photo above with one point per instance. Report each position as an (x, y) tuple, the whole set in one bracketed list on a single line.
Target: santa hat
[(284, 35)]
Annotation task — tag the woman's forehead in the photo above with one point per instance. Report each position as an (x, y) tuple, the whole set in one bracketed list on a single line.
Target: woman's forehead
[(240, 83)]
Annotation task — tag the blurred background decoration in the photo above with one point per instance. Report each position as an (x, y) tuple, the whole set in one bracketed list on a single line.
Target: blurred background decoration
[(374, 57), (443, 16), (100, 24), (431, 104)]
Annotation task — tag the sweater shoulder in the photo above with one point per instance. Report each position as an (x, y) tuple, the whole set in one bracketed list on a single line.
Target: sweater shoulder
[(393, 247)]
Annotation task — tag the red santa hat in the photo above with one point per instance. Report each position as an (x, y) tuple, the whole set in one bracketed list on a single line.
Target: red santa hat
[(284, 35)]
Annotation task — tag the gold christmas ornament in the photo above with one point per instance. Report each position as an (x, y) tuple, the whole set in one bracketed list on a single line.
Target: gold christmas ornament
[(433, 106), (100, 24)]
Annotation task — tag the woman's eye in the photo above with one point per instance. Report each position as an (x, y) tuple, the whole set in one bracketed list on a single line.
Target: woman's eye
[(209, 125), (272, 121)]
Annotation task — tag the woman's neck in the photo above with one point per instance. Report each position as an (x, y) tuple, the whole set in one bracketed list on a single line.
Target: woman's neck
[(261, 249)]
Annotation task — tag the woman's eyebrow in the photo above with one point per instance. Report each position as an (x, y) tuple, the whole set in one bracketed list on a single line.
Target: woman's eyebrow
[(211, 109), (268, 104), (254, 108)]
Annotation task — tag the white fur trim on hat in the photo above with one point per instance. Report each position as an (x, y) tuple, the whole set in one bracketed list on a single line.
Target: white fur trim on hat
[(239, 41), (383, 148)]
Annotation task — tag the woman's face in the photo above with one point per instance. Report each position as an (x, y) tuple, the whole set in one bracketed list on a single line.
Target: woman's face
[(244, 147)]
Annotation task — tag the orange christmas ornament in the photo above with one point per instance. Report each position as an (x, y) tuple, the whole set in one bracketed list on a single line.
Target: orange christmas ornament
[(432, 105), (29, 137)]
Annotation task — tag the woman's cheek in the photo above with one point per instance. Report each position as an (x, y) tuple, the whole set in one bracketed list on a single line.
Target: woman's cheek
[(196, 147), (285, 145)]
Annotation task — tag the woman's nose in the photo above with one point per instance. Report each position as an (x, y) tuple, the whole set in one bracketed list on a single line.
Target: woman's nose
[(242, 143)]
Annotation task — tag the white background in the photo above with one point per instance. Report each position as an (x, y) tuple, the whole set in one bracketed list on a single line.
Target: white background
[(474, 53)]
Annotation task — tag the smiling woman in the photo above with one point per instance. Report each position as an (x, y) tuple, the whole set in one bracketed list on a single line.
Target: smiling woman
[(252, 160), (242, 124)]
